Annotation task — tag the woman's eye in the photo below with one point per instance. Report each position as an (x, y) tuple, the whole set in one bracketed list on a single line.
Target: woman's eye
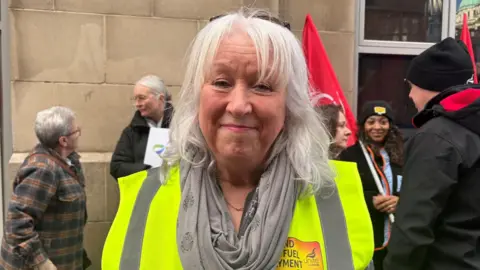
[(221, 84), (263, 88)]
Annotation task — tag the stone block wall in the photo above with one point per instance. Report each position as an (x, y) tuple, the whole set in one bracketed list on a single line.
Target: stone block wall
[(86, 54)]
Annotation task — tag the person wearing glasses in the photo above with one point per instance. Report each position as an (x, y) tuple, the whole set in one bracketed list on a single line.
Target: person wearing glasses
[(247, 182), (47, 211), (154, 110)]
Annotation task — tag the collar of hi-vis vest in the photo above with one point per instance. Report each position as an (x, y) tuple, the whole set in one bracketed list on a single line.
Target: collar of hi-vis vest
[(148, 208)]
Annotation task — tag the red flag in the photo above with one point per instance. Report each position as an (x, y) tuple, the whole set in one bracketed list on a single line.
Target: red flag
[(465, 37), (323, 80)]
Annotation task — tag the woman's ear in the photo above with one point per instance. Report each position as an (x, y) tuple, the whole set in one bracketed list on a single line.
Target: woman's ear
[(161, 98)]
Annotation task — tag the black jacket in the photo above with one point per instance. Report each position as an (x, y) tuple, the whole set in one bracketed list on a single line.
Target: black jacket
[(438, 217), (355, 154), (130, 150)]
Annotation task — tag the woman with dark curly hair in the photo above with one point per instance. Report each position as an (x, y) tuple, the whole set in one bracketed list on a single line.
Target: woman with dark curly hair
[(381, 142), (336, 123)]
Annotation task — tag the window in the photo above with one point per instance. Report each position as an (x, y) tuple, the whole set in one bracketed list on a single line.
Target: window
[(406, 20), (472, 9), (390, 33), (381, 78)]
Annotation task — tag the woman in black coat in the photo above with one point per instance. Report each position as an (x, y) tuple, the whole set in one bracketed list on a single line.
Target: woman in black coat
[(154, 109), (383, 145)]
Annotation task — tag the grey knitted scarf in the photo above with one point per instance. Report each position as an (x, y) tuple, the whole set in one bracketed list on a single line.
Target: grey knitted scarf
[(205, 235)]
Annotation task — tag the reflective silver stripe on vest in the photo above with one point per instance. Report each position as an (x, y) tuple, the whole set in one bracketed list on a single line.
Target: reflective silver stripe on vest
[(337, 245), (335, 234), (132, 246)]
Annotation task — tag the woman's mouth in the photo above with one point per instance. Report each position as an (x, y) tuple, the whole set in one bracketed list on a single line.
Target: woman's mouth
[(237, 128)]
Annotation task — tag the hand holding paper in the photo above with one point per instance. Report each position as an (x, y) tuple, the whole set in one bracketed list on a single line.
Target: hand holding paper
[(157, 141)]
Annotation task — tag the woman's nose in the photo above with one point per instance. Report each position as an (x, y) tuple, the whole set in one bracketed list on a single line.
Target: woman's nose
[(239, 101)]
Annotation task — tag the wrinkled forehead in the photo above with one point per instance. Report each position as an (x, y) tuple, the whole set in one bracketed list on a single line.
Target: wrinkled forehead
[(140, 89), (75, 125)]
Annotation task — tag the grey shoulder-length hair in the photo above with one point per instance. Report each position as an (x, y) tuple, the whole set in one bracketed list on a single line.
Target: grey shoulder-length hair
[(280, 56)]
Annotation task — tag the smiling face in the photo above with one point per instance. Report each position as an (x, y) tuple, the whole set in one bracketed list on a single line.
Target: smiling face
[(376, 127), (240, 116)]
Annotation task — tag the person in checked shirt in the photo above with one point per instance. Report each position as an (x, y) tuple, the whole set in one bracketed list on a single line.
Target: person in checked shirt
[(47, 210)]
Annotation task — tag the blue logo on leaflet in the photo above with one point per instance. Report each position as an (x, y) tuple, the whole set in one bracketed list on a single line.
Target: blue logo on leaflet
[(159, 148)]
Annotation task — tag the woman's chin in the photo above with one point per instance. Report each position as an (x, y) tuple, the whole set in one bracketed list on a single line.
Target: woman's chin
[(240, 156)]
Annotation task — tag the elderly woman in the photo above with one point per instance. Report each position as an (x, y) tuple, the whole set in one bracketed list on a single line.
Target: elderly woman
[(334, 119), (47, 211), (154, 109), (380, 143), (241, 182)]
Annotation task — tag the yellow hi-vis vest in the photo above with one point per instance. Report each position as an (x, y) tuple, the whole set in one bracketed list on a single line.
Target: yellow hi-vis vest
[(329, 232)]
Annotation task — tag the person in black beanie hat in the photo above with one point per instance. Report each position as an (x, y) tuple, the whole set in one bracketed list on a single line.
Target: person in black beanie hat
[(438, 68), (376, 107), (437, 224), (379, 141)]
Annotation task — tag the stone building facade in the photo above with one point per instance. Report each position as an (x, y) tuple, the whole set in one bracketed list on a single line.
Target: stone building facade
[(87, 54)]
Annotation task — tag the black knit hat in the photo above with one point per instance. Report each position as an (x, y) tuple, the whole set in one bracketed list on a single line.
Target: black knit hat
[(376, 107), (441, 66)]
